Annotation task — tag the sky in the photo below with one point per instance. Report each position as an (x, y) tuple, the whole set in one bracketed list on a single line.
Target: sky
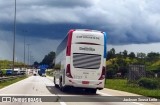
[(133, 25)]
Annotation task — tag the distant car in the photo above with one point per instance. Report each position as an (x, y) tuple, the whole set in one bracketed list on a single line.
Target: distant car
[(43, 75), (34, 73), (9, 72), (15, 72), (22, 72)]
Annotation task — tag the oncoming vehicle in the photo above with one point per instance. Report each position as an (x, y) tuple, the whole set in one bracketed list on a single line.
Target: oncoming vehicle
[(81, 60)]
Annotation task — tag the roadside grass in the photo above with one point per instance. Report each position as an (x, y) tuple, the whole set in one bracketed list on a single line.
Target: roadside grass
[(121, 84), (6, 83), (4, 71), (49, 73)]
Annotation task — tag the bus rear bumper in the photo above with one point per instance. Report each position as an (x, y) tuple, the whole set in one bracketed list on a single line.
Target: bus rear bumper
[(95, 84)]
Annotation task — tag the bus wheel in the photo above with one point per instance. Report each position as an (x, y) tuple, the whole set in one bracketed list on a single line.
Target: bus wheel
[(55, 83), (56, 86), (60, 85)]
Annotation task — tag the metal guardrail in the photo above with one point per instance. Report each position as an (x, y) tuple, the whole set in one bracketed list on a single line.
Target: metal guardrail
[(3, 79)]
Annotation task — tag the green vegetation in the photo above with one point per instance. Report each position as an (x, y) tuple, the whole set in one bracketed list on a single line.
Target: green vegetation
[(149, 83), (121, 84), (119, 62), (6, 83), (5, 64), (49, 73), (118, 68), (4, 71)]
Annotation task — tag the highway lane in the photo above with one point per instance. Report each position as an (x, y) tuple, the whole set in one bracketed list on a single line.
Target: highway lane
[(31, 86), (42, 86)]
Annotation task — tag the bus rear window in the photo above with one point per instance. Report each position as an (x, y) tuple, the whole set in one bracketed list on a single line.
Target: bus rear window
[(86, 61)]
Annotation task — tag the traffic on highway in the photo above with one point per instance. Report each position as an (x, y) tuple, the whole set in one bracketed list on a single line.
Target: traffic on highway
[(85, 52), (41, 90)]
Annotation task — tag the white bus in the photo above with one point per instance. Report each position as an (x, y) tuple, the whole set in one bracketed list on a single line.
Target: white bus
[(81, 60)]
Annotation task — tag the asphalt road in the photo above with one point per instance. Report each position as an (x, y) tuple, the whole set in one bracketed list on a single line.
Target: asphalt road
[(37, 86)]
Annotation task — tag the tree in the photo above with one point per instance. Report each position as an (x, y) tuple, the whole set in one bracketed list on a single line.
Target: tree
[(36, 64), (48, 59), (111, 53), (119, 55), (153, 56), (141, 55), (141, 58), (125, 53), (132, 55)]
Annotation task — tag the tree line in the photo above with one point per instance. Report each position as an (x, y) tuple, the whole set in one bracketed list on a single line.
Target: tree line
[(153, 56), (47, 60), (117, 63), (6, 64)]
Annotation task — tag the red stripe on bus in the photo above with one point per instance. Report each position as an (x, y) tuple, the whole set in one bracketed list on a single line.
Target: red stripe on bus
[(68, 51)]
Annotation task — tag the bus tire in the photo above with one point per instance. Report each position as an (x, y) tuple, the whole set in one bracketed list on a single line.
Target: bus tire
[(56, 86), (60, 84), (55, 83), (62, 88)]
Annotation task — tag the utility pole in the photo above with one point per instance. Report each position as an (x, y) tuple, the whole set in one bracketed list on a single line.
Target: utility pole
[(14, 36), (28, 53), (31, 59), (24, 51)]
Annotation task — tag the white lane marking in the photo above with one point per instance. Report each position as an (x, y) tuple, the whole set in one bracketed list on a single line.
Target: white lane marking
[(48, 82), (103, 94), (9, 86), (62, 103), (137, 103)]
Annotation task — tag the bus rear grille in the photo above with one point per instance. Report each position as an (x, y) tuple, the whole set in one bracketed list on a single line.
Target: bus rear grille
[(86, 61)]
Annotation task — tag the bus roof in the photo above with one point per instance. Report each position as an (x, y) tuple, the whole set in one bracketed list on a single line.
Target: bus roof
[(88, 30), (91, 36)]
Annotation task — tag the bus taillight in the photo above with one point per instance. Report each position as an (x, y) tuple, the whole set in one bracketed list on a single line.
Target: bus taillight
[(68, 51), (68, 71), (102, 74)]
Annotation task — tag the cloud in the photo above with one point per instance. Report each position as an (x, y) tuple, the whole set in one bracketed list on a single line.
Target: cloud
[(145, 48), (129, 21), (45, 31), (40, 11), (132, 21), (38, 48), (125, 21)]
